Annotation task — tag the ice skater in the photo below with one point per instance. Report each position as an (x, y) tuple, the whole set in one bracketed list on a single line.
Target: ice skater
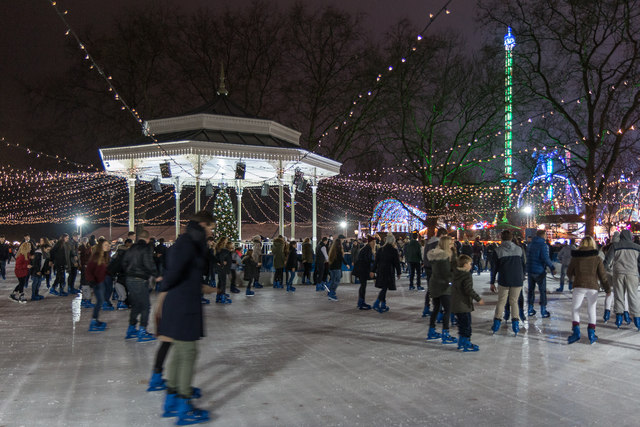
[(584, 271), (442, 261), (623, 259), (223, 258), (249, 266), (336, 259), (181, 317), (291, 265), (22, 272), (537, 262), (363, 269), (462, 297), (139, 266), (96, 272), (387, 262), (509, 266)]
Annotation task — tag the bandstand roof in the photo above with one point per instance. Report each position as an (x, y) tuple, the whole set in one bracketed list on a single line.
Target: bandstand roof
[(208, 142)]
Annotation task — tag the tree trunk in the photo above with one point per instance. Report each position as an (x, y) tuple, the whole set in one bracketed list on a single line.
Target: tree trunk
[(590, 212), (432, 225)]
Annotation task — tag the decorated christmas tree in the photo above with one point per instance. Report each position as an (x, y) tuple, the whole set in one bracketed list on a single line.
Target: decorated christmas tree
[(224, 215)]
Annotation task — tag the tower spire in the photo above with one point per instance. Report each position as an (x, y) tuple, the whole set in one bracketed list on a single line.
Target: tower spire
[(222, 88)]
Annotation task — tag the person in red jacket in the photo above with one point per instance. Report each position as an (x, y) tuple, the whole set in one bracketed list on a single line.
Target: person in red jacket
[(22, 272), (96, 272)]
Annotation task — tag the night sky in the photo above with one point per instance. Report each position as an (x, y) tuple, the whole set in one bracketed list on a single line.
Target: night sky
[(32, 41)]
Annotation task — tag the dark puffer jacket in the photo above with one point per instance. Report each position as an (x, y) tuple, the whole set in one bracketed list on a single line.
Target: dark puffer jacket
[(508, 265)]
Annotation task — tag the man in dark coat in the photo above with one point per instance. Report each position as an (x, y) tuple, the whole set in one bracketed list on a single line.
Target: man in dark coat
[(182, 319), (138, 266), (363, 270)]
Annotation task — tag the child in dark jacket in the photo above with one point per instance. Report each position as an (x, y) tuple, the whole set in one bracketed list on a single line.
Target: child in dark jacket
[(249, 266), (462, 296)]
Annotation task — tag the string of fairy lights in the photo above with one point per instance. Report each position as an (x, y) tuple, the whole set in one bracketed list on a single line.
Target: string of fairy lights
[(33, 196)]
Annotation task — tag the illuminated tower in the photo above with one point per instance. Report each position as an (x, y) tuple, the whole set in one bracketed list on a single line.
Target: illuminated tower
[(509, 44)]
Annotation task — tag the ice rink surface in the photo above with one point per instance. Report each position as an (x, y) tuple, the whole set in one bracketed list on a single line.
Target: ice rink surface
[(298, 359)]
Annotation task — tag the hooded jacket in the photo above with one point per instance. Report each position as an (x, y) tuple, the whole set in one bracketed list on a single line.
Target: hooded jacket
[(432, 243), (623, 257), (441, 272), (307, 253), (508, 265), (462, 293), (538, 256), (585, 268)]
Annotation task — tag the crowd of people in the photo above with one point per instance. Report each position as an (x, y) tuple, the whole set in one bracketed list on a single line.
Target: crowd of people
[(198, 264)]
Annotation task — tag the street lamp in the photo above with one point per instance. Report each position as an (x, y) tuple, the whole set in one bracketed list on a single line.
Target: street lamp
[(79, 222), (343, 224), (528, 210)]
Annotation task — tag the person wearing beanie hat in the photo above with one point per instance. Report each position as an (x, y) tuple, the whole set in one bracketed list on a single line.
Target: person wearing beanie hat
[(387, 263)]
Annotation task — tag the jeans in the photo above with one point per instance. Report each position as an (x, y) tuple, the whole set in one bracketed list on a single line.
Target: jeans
[(35, 285), (3, 269), (445, 302), (477, 264), (336, 275), (563, 272), (291, 274), (98, 290), (139, 299), (464, 324), (414, 270), (541, 280), (108, 288)]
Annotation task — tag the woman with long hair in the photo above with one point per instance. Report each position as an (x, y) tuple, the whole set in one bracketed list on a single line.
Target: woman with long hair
[(442, 261), (387, 262), (336, 259), (584, 270), (278, 249), (96, 274), (21, 272), (307, 261)]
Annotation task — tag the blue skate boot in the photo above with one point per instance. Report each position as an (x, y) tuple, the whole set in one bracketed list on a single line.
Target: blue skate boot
[(97, 326), (446, 338), (496, 325), (606, 316), (531, 311), (187, 414), (543, 312), (627, 317), (591, 332), (515, 326), (144, 336), (156, 383), (433, 335), (363, 305), (132, 332), (618, 320), (636, 322), (575, 336)]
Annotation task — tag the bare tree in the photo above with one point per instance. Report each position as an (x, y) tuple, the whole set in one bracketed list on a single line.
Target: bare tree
[(588, 52), (438, 106)]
